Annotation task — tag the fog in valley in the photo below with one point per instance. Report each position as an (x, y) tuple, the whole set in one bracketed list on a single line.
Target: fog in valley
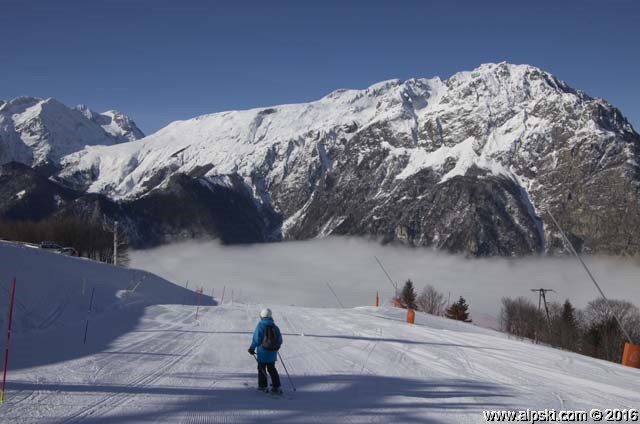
[(297, 273)]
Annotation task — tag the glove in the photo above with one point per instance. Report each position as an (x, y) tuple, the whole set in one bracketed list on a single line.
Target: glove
[(252, 351)]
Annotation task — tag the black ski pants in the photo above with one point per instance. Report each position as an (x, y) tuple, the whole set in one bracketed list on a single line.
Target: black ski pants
[(263, 367)]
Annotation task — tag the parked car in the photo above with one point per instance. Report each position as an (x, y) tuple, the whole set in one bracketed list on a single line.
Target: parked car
[(50, 245), (69, 251)]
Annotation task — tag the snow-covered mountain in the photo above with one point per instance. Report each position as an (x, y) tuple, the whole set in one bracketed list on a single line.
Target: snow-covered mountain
[(40, 132), (468, 164)]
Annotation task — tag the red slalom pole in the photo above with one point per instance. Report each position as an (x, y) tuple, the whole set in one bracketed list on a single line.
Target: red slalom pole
[(6, 352)]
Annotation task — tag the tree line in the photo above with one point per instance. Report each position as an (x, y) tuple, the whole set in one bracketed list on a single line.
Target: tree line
[(592, 331), (433, 302), (90, 240)]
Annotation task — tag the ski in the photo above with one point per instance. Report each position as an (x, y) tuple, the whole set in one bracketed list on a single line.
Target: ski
[(269, 393)]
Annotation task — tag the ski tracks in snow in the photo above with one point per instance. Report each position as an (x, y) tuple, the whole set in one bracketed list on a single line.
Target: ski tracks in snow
[(114, 401), (356, 365)]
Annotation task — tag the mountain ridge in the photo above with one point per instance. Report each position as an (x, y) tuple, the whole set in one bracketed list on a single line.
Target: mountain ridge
[(469, 164)]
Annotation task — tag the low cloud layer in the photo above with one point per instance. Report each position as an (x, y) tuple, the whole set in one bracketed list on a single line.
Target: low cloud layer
[(298, 273)]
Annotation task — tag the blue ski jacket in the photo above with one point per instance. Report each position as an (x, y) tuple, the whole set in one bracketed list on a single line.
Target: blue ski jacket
[(265, 356)]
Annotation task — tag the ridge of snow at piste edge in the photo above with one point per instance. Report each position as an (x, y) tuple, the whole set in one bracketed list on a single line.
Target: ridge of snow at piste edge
[(53, 293), (147, 359)]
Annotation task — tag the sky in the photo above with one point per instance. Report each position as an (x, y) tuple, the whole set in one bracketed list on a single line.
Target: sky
[(160, 61)]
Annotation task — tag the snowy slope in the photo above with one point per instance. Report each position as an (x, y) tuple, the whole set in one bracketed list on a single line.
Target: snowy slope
[(53, 293), (355, 366), (39, 131), (148, 360)]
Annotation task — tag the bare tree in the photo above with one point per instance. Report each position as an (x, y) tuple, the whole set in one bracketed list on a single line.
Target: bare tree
[(593, 331), (603, 337), (520, 317), (431, 301)]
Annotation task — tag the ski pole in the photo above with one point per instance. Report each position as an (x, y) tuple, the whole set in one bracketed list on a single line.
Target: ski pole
[(260, 369), (287, 371)]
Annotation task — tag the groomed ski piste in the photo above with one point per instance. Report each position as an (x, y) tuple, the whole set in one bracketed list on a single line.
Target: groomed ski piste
[(148, 360)]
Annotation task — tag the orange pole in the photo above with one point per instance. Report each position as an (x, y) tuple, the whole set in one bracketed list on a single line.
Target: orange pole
[(411, 316), (377, 299), (631, 355)]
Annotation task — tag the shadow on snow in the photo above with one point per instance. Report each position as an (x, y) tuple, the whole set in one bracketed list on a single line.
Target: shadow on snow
[(319, 398)]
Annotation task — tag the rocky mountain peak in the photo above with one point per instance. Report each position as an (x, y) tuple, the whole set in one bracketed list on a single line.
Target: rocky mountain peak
[(39, 132), (114, 123), (19, 104)]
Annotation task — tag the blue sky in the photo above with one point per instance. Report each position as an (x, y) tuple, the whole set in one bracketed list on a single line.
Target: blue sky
[(159, 61)]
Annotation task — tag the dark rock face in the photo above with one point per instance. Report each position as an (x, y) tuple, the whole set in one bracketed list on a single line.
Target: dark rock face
[(466, 215), (471, 214), (27, 195), (186, 208), (190, 208)]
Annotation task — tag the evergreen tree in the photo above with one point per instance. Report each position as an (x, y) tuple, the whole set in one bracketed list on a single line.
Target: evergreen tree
[(408, 295), (458, 311), (568, 326), (568, 314)]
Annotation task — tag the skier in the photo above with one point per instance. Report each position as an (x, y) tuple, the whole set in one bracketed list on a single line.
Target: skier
[(267, 339)]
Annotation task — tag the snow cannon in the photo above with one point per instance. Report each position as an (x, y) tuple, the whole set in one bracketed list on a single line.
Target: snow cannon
[(411, 316), (631, 355)]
